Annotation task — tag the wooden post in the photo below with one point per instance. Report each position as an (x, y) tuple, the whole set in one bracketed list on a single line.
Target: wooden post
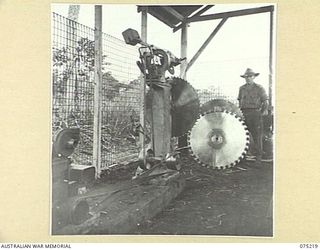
[(144, 25), (161, 110), (183, 51), (271, 58), (182, 141), (97, 90)]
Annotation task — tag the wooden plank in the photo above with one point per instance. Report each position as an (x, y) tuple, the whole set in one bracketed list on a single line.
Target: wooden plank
[(120, 211), (271, 58), (144, 26), (202, 10), (97, 90), (205, 44), (236, 13), (161, 110), (183, 51)]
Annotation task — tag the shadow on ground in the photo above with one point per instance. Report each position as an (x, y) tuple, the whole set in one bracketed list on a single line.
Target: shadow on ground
[(235, 201)]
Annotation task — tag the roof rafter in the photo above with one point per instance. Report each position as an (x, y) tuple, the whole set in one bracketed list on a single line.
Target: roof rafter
[(236, 13), (196, 14)]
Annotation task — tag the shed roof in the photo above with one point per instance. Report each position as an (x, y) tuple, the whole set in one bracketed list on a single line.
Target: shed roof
[(173, 15)]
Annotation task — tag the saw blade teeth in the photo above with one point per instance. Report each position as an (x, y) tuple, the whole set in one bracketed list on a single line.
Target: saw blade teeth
[(191, 153), (221, 105), (232, 118)]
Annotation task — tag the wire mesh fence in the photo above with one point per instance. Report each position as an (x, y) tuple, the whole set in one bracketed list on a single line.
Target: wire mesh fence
[(206, 95), (73, 90), (73, 81), (121, 100)]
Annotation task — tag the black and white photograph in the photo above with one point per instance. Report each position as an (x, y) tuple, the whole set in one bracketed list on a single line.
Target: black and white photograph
[(162, 119)]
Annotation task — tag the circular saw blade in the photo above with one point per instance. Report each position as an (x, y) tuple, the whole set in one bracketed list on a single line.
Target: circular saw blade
[(185, 106), (217, 105), (66, 140), (219, 140)]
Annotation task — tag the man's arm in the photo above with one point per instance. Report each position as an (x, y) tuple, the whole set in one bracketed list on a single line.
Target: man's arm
[(264, 107), (264, 102), (239, 97)]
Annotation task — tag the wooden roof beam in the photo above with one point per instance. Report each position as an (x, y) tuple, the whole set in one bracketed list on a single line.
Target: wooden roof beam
[(202, 10), (196, 14), (236, 13)]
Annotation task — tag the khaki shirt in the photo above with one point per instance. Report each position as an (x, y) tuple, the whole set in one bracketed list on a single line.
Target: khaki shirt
[(251, 96)]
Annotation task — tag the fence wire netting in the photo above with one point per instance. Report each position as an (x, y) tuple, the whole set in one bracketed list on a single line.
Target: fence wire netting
[(73, 91), (206, 95)]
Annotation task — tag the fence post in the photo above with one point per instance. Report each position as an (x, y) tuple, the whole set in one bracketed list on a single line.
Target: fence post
[(183, 51), (182, 140), (144, 25), (270, 58), (97, 89)]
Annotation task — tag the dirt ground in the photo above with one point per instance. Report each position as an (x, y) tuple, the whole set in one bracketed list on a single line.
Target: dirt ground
[(235, 201)]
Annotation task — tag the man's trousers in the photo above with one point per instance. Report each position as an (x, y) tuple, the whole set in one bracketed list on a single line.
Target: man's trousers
[(253, 120)]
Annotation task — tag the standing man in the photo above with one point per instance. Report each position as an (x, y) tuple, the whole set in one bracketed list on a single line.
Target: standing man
[(253, 101)]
